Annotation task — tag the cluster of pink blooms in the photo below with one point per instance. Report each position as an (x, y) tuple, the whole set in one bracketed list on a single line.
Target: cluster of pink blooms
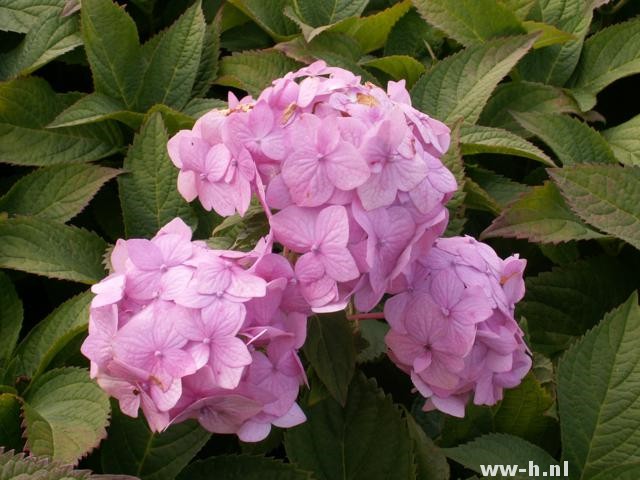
[(351, 181), (184, 331), (452, 324)]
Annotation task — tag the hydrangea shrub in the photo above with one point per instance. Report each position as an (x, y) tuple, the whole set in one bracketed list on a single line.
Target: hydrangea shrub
[(289, 276)]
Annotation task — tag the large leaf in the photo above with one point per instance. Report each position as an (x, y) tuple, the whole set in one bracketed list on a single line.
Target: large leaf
[(253, 71), (150, 456), (610, 54), (52, 36), (367, 439), (269, 16), (27, 105), (96, 107), (624, 141), (478, 139), (460, 85), (208, 68), (501, 449), (65, 414), (55, 193), (172, 62), (371, 32), (606, 196), (398, 67), (51, 249), (111, 42), (10, 428), (599, 394), (470, 21), (554, 64), (522, 412), (331, 351), (524, 97), (243, 467), (543, 216), (411, 35), (148, 192), (52, 334), (452, 159), (502, 189), (20, 466), (11, 315), (586, 145), (22, 15), (564, 303), (431, 464), (315, 16)]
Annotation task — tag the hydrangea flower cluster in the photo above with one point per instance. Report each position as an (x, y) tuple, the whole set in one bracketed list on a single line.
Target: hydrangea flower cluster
[(452, 325), (350, 178), (184, 331), (354, 172)]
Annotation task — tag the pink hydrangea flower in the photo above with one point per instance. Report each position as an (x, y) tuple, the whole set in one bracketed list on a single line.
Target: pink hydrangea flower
[(452, 325)]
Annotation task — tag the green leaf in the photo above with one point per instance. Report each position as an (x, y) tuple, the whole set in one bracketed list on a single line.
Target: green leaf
[(624, 141), (331, 352), (240, 233), (477, 198), (269, 16), (460, 85), (372, 332), (111, 42), (315, 16), (452, 159), (555, 64), (199, 106), (371, 32), (336, 49), (586, 145), (243, 467), (367, 439), (150, 456), (502, 189), (56, 193), (173, 62), (607, 56), (524, 97), (549, 35), (254, 70), (51, 249), (65, 415), (564, 303), (148, 192), (606, 196), (411, 35), (478, 139), (501, 449), (10, 428), (51, 335), (522, 412), (521, 8), (627, 471), (470, 21), (22, 15), (96, 107), (398, 67), (52, 36), (208, 68), (27, 105), (541, 215), (11, 315), (599, 394), (19, 466), (431, 464)]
